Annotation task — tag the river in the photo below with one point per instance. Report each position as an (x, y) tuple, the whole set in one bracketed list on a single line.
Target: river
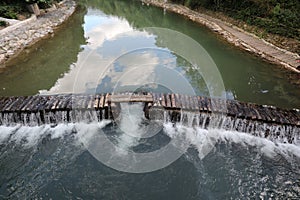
[(116, 46)]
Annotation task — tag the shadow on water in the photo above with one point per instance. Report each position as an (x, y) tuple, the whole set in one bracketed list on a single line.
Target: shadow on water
[(38, 67)]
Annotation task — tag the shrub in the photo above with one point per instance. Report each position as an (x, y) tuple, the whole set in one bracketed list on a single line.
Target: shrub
[(9, 11), (281, 17), (3, 23)]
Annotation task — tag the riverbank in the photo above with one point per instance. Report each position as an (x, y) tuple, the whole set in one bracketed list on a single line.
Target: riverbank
[(20, 35), (236, 36)]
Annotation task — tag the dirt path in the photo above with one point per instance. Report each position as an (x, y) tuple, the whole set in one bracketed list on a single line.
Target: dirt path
[(236, 36)]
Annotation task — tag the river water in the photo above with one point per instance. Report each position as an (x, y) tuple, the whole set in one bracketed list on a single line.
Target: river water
[(124, 46)]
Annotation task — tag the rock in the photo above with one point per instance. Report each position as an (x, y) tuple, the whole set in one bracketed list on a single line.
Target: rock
[(37, 35), (12, 44), (10, 52), (23, 36), (2, 57), (53, 8), (33, 30)]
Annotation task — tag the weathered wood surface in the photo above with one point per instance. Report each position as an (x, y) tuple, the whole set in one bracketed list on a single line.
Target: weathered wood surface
[(171, 102)]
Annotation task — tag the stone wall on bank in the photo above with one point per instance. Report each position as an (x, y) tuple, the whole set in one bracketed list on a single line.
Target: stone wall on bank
[(235, 36), (20, 35)]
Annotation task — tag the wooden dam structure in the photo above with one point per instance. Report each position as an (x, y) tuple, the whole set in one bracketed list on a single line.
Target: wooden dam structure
[(260, 120)]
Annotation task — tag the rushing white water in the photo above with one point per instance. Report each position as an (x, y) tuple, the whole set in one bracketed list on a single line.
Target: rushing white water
[(62, 144), (133, 130)]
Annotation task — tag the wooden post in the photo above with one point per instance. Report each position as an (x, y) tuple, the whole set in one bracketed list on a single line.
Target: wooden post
[(34, 8)]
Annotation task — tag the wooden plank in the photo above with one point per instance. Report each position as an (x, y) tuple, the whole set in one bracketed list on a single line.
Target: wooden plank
[(9, 104), (35, 101), (256, 113), (213, 106), (246, 111), (173, 101), (4, 103), (231, 108), (91, 102), (17, 103), (60, 105), (80, 104), (117, 98), (68, 99), (200, 103), (70, 102), (55, 102), (29, 104), (297, 115), (41, 104), (282, 116), (76, 102), (187, 102), (85, 102), (163, 100), (196, 103), (106, 101), (178, 101), (240, 110), (192, 103), (23, 109), (263, 113), (157, 99), (101, 103), (292, 118), (271, 118), (96, 102), (252, 113), (222, 105), (275, 115), (2, 99), (50, 102), (182, 101), (168, 100), (18, 107), (207, 103)]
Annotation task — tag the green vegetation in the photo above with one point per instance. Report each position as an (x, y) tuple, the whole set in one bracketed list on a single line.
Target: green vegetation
[(11, 8), (3, 23), (280, 17)]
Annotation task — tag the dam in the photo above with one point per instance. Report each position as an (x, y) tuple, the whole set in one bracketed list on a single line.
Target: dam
[(259, 120)]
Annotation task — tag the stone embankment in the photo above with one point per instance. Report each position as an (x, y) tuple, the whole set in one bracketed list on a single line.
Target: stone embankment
[(235, 35), (22, 34)]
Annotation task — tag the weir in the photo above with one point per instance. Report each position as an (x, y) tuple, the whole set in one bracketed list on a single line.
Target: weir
[(260, 120)]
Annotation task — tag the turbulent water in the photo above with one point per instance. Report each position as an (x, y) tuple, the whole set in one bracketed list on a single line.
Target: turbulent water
[(53, 161)]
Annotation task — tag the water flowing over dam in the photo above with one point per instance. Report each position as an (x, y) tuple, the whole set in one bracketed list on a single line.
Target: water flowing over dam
[(260, 120)]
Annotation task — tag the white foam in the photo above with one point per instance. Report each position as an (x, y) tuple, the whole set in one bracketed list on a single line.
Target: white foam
[(85, 132), (5, 132), (28, 136), (202, 139)]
